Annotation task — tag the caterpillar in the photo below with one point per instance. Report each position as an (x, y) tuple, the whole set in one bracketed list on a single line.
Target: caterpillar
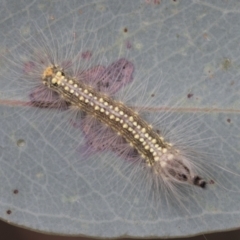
[(106, 131)]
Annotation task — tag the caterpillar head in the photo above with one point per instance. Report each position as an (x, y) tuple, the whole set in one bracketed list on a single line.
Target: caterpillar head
[(178, 169)]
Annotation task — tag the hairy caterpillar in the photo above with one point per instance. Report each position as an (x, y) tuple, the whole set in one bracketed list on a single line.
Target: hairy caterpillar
[(158, 154), (79, 141)]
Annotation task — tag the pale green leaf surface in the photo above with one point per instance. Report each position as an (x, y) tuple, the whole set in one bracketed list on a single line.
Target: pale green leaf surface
[(194, 47)]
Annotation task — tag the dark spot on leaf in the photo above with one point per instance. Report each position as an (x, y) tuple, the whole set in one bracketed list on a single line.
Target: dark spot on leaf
[(152, 95), (125, 30), (228, 120), (15, 191), (189, 95), (20, 143), (8, 212)]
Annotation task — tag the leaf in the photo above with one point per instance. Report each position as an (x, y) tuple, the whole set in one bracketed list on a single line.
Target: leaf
[(191, 48)]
